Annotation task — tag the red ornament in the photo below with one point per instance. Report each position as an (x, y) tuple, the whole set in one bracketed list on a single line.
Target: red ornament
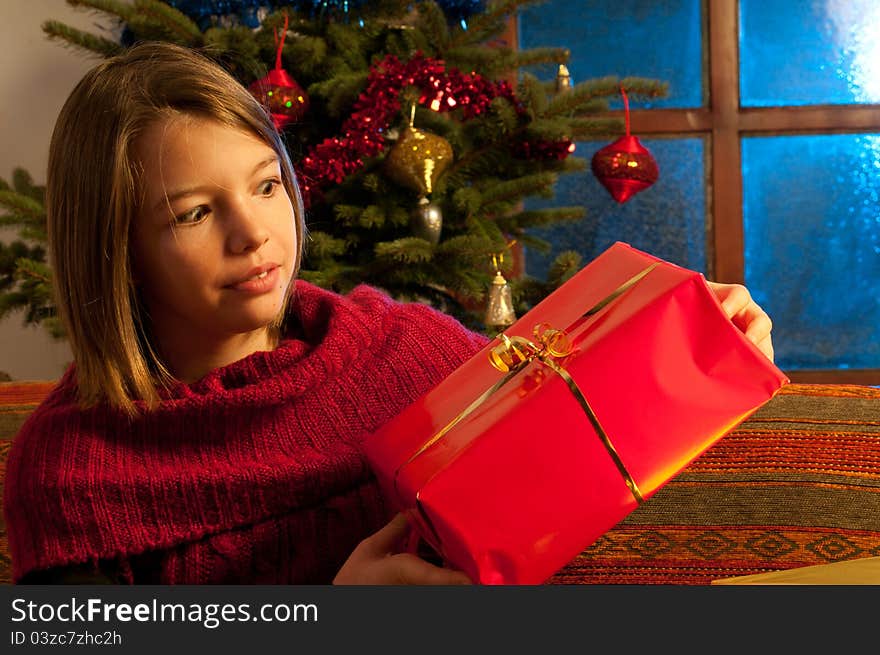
[(286, 100), (625, 167)]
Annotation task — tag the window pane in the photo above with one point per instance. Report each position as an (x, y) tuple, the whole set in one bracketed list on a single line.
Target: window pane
[(812, 250), (624, 38), (667, 220), (801, 52)]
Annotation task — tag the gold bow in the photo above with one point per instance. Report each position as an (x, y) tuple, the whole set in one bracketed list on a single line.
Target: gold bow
[(516, 352)]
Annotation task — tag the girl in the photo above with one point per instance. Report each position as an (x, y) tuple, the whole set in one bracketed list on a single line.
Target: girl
[(209, 429)]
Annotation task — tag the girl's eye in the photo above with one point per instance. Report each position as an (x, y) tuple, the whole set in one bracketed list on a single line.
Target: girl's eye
[(267, 187), (194, 215)]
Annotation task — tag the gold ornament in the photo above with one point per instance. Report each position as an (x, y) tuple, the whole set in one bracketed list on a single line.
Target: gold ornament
[(418, 159), (499, 309), (563, 79), (427, 221)]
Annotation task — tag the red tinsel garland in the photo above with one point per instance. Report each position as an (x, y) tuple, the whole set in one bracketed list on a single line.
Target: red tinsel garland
[(363, 133)]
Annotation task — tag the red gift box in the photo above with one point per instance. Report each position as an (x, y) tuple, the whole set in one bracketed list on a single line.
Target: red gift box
[(616, 381)]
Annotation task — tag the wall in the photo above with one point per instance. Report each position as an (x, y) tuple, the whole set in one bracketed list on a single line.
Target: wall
[(36, 75)]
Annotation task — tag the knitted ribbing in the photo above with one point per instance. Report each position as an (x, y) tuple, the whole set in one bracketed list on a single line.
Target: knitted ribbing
[(255, 473)]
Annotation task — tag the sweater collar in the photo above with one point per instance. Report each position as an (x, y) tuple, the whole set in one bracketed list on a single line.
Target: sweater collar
[(323, 332)]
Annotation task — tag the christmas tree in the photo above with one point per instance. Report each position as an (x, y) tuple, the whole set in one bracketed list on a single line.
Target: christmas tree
[(416, 132), (25, 278)]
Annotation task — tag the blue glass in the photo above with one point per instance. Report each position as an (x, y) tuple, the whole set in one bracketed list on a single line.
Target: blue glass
[(811, 209), (624, 38), (804, 52), (667, 220)]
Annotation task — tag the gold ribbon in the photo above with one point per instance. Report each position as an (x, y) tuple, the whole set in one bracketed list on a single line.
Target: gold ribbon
[(513, 354)]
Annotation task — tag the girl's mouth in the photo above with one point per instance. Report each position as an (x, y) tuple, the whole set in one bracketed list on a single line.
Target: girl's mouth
[(258, 284)]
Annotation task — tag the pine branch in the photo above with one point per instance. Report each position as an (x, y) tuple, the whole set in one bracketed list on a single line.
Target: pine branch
[(466, 247), (644, 88), (348, 42), (323, 246), (9, 255), (583, 129), (491, 62), (347, 214), (540, 55), (468, 200), (54, 326), (326, 277), (340, 91), (122, 10), (24, 209), (536, 184), (408, 250), (84, 40), (606, 87), (532, 93), (37, 234), (372, 217), (432, 21), (464, 286), (552, 129), (484, 26), (532, 242), (565, 103), (541, 217), (566, 264), (488, 230), (307, 52), (29, 269), (23, 183), (482, 159), (236, 50), (177, 24)]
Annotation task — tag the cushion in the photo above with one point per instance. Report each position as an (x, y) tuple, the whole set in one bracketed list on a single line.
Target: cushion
[(17, 400)]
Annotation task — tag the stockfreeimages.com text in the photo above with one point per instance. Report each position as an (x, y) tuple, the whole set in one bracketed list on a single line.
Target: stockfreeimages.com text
[(210, 615)]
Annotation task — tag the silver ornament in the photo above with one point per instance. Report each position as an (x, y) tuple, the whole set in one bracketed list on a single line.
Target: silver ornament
[(427, 221)]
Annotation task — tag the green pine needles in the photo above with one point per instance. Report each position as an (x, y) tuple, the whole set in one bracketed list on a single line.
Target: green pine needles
[(25, 279)]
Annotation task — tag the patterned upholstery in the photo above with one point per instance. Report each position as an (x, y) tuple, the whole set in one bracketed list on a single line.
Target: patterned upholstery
[(17, 400), (797, 484)]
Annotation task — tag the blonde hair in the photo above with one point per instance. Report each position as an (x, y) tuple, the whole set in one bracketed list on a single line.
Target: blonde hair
[(92, 198)]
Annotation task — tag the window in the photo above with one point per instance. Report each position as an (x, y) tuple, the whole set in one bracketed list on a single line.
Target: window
[(769, 155)]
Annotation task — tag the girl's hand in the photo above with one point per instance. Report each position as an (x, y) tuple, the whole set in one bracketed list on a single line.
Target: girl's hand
[(376, 561), (746, 314)]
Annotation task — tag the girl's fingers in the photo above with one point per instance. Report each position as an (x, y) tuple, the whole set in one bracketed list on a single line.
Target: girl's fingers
[(746, 314), (734, 298), (415, 571), (388, 539), (759, 327), (766, 347)]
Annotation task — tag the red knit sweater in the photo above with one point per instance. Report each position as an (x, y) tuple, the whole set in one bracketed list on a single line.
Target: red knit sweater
[(253, 474)]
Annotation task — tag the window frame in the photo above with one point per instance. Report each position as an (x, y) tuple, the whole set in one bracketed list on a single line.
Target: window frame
[(723, 123)]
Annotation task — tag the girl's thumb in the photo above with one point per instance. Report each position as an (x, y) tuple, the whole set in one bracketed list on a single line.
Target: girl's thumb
[(390, 537)]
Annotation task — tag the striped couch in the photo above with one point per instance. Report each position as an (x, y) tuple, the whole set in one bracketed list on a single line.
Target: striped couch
[(797, 484)]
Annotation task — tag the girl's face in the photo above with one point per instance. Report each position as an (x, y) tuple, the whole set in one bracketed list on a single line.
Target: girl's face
[(214, 242)]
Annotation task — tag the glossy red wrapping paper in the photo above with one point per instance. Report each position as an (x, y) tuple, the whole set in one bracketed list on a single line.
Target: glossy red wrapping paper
[(521, 485)]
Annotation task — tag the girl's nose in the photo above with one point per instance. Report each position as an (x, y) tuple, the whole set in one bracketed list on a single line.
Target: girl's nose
[(246, 229)]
